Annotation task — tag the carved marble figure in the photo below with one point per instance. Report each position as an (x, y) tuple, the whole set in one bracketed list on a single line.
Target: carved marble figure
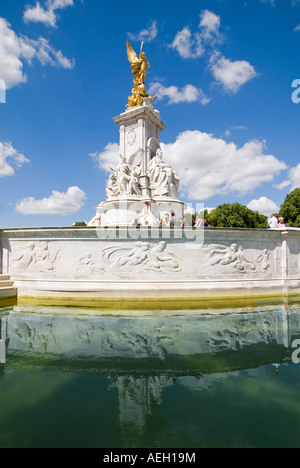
[(45, 260), (36, 256), (133, 184), (163, 179), (234, 257), (162, 259), (263, 260), (123, 175), (87, 265), (112, 186), (27, 257), (154, 257), (220, 254), (122, 256), (125, 180)]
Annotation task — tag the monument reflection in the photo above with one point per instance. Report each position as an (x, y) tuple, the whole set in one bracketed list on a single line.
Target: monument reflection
[(157, 372)]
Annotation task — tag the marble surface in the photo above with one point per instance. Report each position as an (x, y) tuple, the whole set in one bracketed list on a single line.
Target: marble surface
[(151, 261)]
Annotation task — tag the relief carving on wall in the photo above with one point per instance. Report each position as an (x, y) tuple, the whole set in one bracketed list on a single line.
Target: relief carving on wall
[(152, 257), (87, 265), (36, 256), (235, 258)]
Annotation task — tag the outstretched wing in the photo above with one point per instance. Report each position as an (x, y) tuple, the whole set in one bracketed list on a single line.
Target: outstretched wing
[(215, 249), (132, 57), (111, 254), (212, 248)]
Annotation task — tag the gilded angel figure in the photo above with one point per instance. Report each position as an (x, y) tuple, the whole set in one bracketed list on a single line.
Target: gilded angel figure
[(139, 67)]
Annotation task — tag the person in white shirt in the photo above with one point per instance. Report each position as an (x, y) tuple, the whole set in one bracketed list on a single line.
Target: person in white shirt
[(273, 222)]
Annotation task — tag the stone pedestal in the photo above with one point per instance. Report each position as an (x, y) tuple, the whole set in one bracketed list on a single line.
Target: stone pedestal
[(143, 188)]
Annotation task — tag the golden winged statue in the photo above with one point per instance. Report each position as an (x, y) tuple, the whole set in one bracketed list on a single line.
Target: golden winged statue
[(139, 68)]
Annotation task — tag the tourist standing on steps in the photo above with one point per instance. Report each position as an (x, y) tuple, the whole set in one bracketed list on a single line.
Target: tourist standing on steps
[(174, 221)]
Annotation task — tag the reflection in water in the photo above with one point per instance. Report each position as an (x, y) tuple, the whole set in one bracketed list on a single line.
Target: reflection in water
[(152, 380)]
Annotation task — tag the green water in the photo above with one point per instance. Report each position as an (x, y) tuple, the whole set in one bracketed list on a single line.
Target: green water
[(150, 380)]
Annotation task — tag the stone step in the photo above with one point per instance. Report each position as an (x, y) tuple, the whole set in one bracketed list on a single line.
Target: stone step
[(6, 287), (7, 292), (4, 277), (6, 284)]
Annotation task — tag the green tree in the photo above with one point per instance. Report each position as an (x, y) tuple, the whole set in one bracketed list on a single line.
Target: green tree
[(237, 216), (79, 224), (290, 209)]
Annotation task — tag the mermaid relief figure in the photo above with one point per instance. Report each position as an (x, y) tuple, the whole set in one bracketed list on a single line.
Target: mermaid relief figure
[(161, 259), (27, 258)]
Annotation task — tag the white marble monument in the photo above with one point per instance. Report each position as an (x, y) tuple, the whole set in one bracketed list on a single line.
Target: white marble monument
[(143, 188)]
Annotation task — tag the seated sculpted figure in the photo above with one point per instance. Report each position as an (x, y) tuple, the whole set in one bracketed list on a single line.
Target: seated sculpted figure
[(163, 179), (112, 187)]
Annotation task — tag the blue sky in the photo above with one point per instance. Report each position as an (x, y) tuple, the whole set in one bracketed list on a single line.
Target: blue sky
[(223, 71)]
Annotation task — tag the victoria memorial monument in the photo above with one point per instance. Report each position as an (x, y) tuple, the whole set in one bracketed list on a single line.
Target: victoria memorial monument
[(142, 189), (127, 260)]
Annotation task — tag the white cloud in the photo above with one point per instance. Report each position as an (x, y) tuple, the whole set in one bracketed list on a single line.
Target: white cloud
[(58, 203), (188, 45), (108, 158), (14, 50), (231, 74), (10, 159), (11, 49), (146, 35), (237, 127), (188, 93), (189, 209), (272, 2), (38, 14), (191, 45), (282, 185), (210, 26), (293, 181), (264, 206), (297, 29), (295, 177), (43, 51), (208, 166)]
